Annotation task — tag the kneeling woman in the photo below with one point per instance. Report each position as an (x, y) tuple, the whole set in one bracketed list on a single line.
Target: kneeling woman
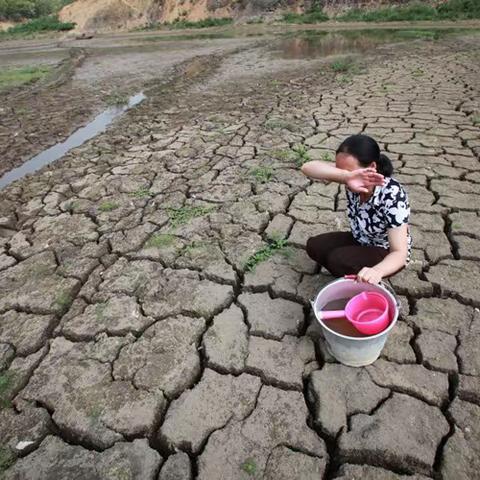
[(379, 244)]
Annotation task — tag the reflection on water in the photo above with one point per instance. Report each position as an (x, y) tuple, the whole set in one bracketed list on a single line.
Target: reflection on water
[(312, 44), (96, 126)]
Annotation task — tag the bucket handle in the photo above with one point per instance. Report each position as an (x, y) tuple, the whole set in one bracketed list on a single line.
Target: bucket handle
[(386, 286)]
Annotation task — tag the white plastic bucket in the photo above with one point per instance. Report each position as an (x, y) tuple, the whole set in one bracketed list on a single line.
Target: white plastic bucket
[(353, 351)]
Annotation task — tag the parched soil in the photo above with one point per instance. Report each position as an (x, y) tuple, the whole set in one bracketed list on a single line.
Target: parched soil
[(135, 342)]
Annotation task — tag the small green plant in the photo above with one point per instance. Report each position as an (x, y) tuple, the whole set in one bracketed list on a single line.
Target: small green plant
[(100, 310), (327, 157), (142, 193), (476, 119), (342, 65), (315, 15), (7, 458), (249, 466), (160, 240), (182, 215), (42, 24), (6, 383), (116, 98), (301, 155), (417, 72), (207, 22), (282, 154), (71, 206), (108, 206), (274, 245), (274, 123), (262, 174), (15, 77), (63, 300)]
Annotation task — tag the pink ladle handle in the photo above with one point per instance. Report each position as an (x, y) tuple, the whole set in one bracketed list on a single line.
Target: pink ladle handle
[(331, 314), (350, 277)]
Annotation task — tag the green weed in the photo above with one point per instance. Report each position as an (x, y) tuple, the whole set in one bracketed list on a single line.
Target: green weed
[(476, 119), (273, 246), (207, 22), (274, 123), (63, 300), (142, 193), (342, 65), (315, 15), (160, 240), (249, 466), (7, 458), (6, 383), (327, 157), (182, 215), (38, 25), (108, 206), (301, 155), (282, 154), (15, 77), (262, 174), (418, 72), (115, 99)]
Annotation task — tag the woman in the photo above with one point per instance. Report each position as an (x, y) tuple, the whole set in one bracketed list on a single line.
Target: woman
[(379, 244)]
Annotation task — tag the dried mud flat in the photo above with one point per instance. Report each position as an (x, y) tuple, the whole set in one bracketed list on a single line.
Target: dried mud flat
[(135, 343)]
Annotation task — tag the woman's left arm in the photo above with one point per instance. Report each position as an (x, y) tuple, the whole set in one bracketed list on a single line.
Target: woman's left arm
[(393, 262)]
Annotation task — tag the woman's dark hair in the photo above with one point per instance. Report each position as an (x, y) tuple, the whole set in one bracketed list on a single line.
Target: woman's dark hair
[(366, 150)]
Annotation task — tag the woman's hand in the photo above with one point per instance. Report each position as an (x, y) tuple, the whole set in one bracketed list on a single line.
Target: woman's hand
[(369, 275), (360, 180)]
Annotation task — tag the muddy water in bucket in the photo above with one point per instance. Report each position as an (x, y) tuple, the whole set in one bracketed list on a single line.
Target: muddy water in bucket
[(341, 325)]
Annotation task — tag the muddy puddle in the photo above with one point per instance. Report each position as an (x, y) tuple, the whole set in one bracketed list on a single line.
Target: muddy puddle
[(80, 136), (310, 44)]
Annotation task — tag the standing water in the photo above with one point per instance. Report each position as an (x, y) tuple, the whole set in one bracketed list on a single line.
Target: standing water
[(96, 126)]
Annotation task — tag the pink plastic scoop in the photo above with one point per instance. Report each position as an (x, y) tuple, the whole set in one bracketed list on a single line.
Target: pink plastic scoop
[(367, 312)]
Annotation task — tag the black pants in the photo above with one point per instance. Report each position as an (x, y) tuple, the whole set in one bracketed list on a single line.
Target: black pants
[(341, 254)]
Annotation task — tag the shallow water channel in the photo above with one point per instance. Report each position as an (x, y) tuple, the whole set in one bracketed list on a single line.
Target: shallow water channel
[(80, 136)]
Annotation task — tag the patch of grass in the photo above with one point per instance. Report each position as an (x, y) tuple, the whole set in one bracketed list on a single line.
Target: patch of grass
[(301, 155), (115, 98), (274, 245), (205, 23), (142, 193), (38, 25), (418, 72), (71, 206), (315, 15), (182, 215), (7, 458), (450, 10), (193, 246), (108, 206), (14, 77), (160, 240), (6, 383), (274, 123), (249, 466), (63, 300), (327, 157), (262, 174), (342, 65), (282, 154)]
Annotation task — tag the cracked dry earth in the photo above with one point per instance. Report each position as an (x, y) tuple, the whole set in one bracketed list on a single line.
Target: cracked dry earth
[(135, 345)]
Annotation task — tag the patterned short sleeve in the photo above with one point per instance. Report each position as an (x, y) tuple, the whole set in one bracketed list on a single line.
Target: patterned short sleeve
[(396, 206)]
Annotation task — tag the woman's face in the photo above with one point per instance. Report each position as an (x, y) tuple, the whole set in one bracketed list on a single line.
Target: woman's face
[(345, 161)]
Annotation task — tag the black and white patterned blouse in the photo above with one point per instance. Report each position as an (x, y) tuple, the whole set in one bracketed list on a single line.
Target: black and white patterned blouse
[(387, 208)]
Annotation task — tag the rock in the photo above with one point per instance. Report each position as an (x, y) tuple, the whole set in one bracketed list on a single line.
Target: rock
[(177, 467), (469, 358), (33, 285), (442, 314), (272, 318), (397, 347), (286, 464), (338, 391), (242, 448), (366, 472), (30, 426), (56, 460), (438, 350), (74, 380), (457, 277), (118, 315), (403, 434), (461, 454), (164, 292), (214, 401), (280, 363), (27, 333), (415, 380), (165, 358), (469, 389)]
